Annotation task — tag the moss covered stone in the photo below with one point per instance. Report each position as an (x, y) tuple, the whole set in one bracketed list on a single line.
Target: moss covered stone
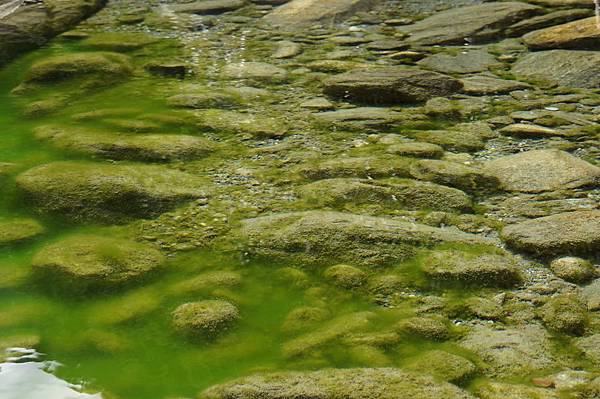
[(454, 174), (498, 390), (105, 192), (303, 318), (205, 319), (252, 125), (345, 276), (118, 41), (86, 262), (481, 269), (148, 147), (314, 237), (396, 194), (14, 231), (565, 314), (417, 150), (207, 281), (573, 269), (443, 365), (377, 383), (431, 328), (365, 167), (110, 66)]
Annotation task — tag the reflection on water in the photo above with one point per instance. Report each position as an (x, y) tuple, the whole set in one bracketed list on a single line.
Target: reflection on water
[(33, 379)]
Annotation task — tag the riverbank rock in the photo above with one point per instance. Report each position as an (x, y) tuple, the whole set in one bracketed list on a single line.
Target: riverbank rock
[(390, 85), (543, 170), (108, 66), (107, 193), (32, 25), (577, 35), (313, 237), (565, 233), (15, 231), (487, 269), (396, 194), (472, 24), (383, 383), (87, 262), (205, 319), (570, 68), (302, 13), (573, 269), (133, 147), (513, 351)]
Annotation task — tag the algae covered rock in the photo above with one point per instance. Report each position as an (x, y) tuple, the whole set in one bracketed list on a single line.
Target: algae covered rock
[(431, 328), (15, 231), (87, 262), (582, 34), (255, 71), (482, 269), (207, 281), (303, 318), (417, 150), (443, 365), (396, 194), (561, 234), (118, 41), (148, 147), (376, 383), (463, 177), (313, 237), (205, 319), (107, 193), (365, 167), (573, 269), (499, 390), (110, 66), (345, 276), (566, 314), (302, 13), (391, 85)]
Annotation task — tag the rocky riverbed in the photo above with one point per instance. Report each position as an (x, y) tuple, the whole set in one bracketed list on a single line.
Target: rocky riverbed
[(302, 199)]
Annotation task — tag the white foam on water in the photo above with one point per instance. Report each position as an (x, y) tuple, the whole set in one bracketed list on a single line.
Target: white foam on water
[(33, 381)]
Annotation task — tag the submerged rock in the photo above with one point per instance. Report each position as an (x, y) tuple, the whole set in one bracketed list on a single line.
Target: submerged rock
[(571, 68), (453, 174), (147, 147), (396, 194), (302, 13), (205, 319), (572, 269), (345, 276), (431, 328), (378, 383), (86, 262), (470, 24), (364, 167), (108, 66), (443, 365), (107, 193), (208, 7), (255, 70), (15, 231), (463, 62), (543, 170), (488, 269), (119, 41), (391, 85), (565, 233), (498, 390), (315, 237), (582, 34), (565, 314)]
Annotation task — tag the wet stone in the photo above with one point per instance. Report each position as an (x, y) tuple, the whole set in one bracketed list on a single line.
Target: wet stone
[(572, 269), (205, 319)]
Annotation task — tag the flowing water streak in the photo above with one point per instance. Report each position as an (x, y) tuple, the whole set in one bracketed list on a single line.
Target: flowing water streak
[(10, 7)]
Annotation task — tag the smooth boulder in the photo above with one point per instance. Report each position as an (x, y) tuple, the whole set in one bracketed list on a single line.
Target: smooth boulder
[(582, 34), (205, 319), (391, 85), (303, 13)]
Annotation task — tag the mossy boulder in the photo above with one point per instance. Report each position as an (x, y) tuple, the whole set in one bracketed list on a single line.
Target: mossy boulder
[(205, 319), (443, 365), (394, 194), (118, 41), (416, 149), (87, 262), (303, 318), (108, 66), (107, 193), (245, 124), (460, 141), (148, 147), (345, 276), (471, 268), (315, 237), (15, 231), (453, 174), (565, 314), (499, 390), (375, 383), (260, 71), (573, 269), (205, 282), (387, 284), (364, 167), (127, 308), (432, 328)]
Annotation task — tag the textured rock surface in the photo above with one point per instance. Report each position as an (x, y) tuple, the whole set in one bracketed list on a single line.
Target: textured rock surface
[(301, 13), (577, 35)]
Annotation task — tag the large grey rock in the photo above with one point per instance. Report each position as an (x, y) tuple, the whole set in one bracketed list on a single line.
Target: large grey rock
[(32, 25), (316, 237), (514, 351), (463, 62), (546, 20), (107, 193), (569, 68), (474, 24), (561, 234), (377, 383), (543, 170), (391, 85), (302, 13)]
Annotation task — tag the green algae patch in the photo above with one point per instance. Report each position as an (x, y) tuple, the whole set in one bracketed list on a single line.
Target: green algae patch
[(18, 231)]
